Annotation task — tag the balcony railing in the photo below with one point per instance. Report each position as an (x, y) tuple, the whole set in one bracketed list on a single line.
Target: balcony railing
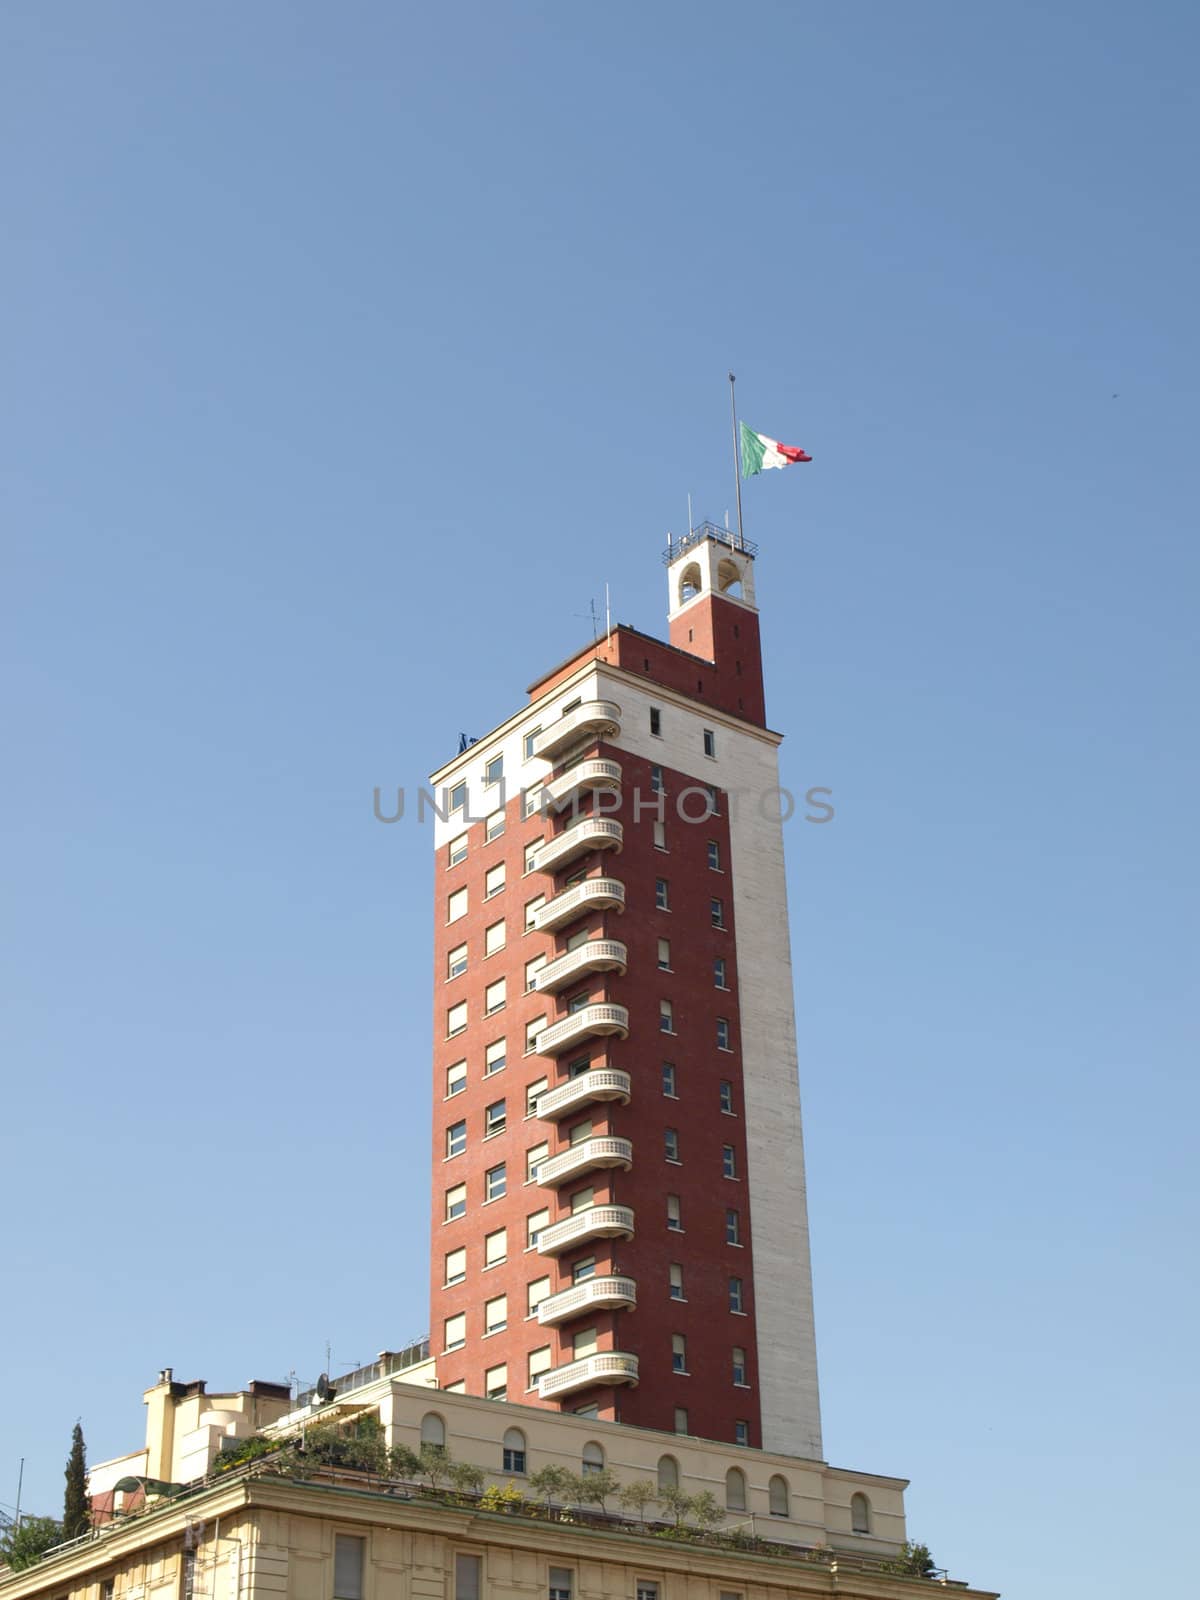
[(600, 1083), (589, 1155), (597, 955), (593, 894), (597, 1222), (595, 719), (588, 1022), (593, 833), (599, 1294), (606, 1366), (594, 774), (708, 530)]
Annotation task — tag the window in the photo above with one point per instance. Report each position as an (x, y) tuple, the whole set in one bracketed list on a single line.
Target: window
[(583, 1343), (535, 1293), (736, 1295), (717, 912), (575, 941), (714, 800), (714, 855), (664, 956), (495, 997), (577, 1068), (733, 1227), (532, 907), (495, 1382), (455, 1332), (580, 1132), (456, 1138), (348, 1562), (494, 771), (778, 1498), (535, 1224), (671, 1143), (532, 968), (646, 1590), (533, 800), (493, 938), (656, 722), (108, 1587), (535, 1156), (583, 1200), (668, 1472), (531, 1096), (675, 1280), (433, 1430), (531, 851), (495, 1057), (456, 1266), (666, 1017), (540, 1361), (494, 826), (456, 905), (493, 881), (456, 961), (660, 836), (860, 1513), (662, 894), (591, 1410), (514, 1450), (533, 1031), (456, 799), (456, 1202), (735, 1489), (726, 1096), (467, 1576), (739, 1366), (723, 1034), (456, 1078), (593, 1458), (668, 1080), (560, 1583), (578, 1002), (719, 973), (710, 742), (495, 1314), (673, 1217), (741, 1433), (494, 1119), (728, 1161), (456, 1019), (459, 1387), (495, 1182), (456, 851), (656, 780), (678, 1353), (583, 1270), (681, 1419)]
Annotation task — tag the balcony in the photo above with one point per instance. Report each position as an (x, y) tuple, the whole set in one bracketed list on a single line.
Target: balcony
[(597, 955), (606, 1366), (593, 894), (601, 1083), (589, 1022), (589, 1155), (597, 1294), (592, 833), (597, 1222), (594, 719), (584, 775)]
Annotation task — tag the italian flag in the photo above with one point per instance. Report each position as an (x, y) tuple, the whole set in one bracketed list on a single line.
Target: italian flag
[(759, 453)]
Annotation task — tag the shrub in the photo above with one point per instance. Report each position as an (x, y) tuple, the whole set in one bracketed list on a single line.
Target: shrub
[(508, 1498)]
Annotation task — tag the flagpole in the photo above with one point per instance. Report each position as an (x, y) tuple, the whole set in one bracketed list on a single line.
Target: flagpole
[(737, 473)]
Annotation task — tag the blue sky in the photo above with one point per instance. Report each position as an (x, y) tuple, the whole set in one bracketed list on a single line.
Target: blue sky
[(348, 353)]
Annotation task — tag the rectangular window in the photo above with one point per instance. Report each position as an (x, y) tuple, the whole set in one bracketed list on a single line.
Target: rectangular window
[(456, 1266), (720, 971), (494, 771), (710, 742), (535, 1225), (681, 1419), (495, 996), (456, 905), (494, 1119), (540, 1361), (493, 938), (577, 1068), (583, 1343), (534, 1029), (456, 850), (532, 968), (495, 1182), (531, 1096), (728, 1161), (668, 1079), (739, 1365), (714, 800), (455, 1332), (495, 1247), (495, 1314), (723, 1033), (532, 907), (662, 894), (456, 1078), (536, 1292), (535, 1157), (726, 1096), (456, 961), (533, 799), (456, 1138), (531, 852), (660, 836), (583, 1270), (456, 1202), (656, 780), (576, 940), (678, 1353), (675, 1280), (494, 826), (717, 912), (714, 855), (456, 1019), (671, 1143), (736, 1299), (454, 1388), (741, 1433), (582, 1200), (495, 1057), (348, 1563), (664, 955), (733, 1227), (456, 799), (666, 1017), (646, 1590), (656, 722), (527, 745), (493, 881), (468, 1577), (560, 1583), (580, 1132), (674, 1218), (495, 1382)]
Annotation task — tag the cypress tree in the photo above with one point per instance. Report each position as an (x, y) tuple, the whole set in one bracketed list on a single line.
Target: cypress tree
[(76, 1519)]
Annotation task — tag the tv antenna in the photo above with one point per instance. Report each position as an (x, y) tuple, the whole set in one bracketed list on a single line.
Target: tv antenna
[(593, 616)]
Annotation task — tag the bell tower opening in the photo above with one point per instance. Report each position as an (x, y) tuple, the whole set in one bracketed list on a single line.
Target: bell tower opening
[(712, 611)]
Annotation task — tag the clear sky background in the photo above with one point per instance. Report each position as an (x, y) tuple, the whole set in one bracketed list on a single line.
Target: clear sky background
[(347, 352)]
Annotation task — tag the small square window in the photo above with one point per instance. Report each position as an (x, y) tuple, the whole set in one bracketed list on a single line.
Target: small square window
[(583, 1200), (494, 938), (456, 1019), (495, 825), (656, 722), (646, 1590), (495, 1314), (583, 1270), (494, 771), (495, 1182), (671, 1143), (456, 1138), (714, 855), (728, 1161), (494, 1119), (495, 1382), (736, 1296), (561, 1579), (456, 799), (662, 894), (723, 1033), (495, 997), (668, 1080), (457, 850), (710, 742), (664, 956), (456, 1266), (455, 1332), (495, 1247), (456, 961), (717, 913)]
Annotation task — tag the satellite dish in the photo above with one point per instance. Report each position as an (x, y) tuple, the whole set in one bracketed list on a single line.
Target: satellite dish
[(325, 1391)]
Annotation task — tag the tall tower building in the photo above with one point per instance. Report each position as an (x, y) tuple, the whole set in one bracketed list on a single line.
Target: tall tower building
[(619, 1217)]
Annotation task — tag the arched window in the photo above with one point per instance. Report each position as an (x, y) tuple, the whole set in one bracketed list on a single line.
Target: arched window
[(729, 579), (690, 583), (777, 1492), (433, 1429), (668, 1472), (735, 1489), (514, 1450), (593, 1458), (860, 1513)]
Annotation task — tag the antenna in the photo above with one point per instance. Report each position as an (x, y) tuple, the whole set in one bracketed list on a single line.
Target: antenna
[(607, 614), (591, 615), (690, 524)]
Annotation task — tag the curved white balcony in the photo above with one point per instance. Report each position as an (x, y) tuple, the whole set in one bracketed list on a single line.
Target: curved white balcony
[(601, 1083), (589, 1155), (606, 1366), (597, 1222), (588, 1022), (594, 719), (597, 955), (593, 833), (597, 1294), (593, 894), (584, 775)]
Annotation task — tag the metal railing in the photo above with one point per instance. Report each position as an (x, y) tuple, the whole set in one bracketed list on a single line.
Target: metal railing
[(387, 1366), (708, 530)]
